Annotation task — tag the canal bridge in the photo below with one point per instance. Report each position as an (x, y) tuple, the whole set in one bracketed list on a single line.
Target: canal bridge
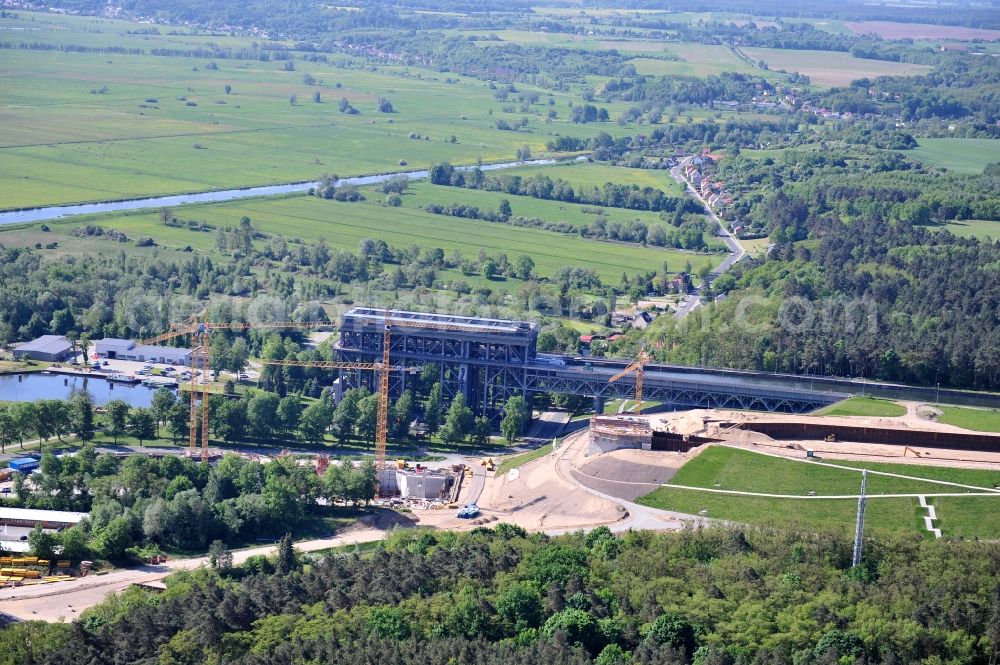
[(491, 360)]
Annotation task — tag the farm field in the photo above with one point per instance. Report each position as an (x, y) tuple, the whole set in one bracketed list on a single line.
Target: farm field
[(344, 225), (81, 127), (422, 193), (958, 155), (981, 420), (893, 30), (695, 60), (830, 68), (592, 174), (863, 406)]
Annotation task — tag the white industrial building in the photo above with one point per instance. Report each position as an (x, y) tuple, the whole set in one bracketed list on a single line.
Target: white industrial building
[(126, 349)]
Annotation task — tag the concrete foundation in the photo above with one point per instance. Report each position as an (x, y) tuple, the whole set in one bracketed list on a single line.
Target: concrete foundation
[(423, 484)]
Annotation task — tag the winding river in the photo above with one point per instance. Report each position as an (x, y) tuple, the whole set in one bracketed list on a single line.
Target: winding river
[(46, 213)]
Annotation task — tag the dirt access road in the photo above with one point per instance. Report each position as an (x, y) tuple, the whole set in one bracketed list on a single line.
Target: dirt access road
[(63, 600)]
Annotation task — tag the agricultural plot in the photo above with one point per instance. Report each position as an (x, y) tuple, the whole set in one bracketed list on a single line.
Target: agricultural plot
[(344, 225), (894, 30), (983, 229), (422, 193), (697, 60), (82, 127), (958, 155), (590, 174), (829, 68)]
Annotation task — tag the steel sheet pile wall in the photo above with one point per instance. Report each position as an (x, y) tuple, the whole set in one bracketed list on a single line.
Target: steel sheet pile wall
[(891, 436)]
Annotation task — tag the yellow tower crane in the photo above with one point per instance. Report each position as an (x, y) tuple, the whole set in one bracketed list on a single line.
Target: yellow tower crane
[(201, 354), (636, 366)]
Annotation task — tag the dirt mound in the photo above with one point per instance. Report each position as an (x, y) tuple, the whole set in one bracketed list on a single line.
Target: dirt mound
[(539, 499)]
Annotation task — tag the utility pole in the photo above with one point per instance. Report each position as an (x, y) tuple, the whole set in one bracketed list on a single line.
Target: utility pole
[(859, 525)]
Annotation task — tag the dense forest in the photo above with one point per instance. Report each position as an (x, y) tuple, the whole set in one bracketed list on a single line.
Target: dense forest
[(715, 596)]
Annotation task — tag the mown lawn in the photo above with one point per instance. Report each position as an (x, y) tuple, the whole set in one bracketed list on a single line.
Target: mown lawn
[(893, 514), (980, 420), (520, 460), (863, 406), (725, 468), (968, 516)]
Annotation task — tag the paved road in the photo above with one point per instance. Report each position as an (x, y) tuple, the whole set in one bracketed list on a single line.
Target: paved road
[(737, 251)]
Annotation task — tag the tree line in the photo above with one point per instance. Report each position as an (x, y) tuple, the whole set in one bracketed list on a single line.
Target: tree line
[(501, 595)]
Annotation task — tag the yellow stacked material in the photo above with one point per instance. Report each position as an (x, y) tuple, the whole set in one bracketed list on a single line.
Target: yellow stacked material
[(3, 579), (30, 560), (44, 562), (58, 578), (32, 574), (18, 561), (8, 571), (16, 580), (5, 561)]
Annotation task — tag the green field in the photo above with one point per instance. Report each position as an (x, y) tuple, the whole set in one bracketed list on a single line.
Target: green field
[(893, 514), (592, 174), (958, 155), (421, 193), (520, 460), (980, 420), (863, 406), (982, 229), (63, 143), (697, 60), (725, 468), (740, 470), (830, 68), (344, 225), (963, 516)]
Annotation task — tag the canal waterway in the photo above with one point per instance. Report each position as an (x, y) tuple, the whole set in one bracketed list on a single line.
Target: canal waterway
[(31, 387), (57, 212)]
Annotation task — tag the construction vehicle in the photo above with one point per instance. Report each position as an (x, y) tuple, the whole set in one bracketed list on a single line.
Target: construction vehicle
[(468, 512)]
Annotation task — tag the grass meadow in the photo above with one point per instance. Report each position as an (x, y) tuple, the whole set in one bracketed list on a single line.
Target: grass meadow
[(344, 225), (958, 155)]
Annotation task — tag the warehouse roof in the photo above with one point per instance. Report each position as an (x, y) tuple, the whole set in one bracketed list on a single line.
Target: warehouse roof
[(114, 341), (46, 344), (34, 515)]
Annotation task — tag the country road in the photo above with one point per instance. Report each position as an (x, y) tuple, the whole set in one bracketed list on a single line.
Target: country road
[(736, 250)]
